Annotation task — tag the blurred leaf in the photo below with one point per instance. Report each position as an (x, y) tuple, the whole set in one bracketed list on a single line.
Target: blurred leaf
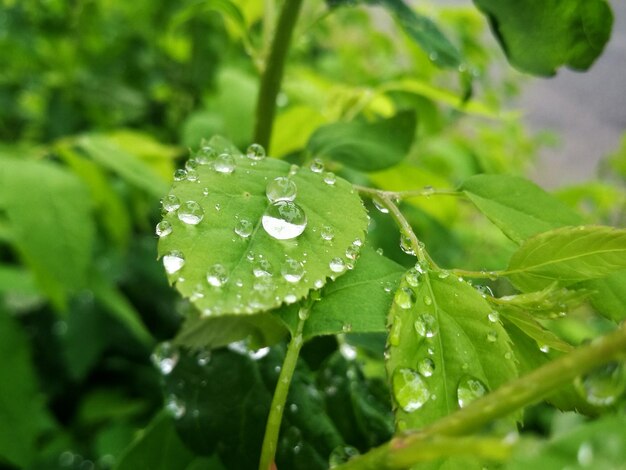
[(22, 408), (241, 196), (235, 104), (518, 207), (567, 255), (296, 125), (443, 351), (541, 36), (49, 211), (357, 302), (608, 296), (16, 280), (366, 146), (545, 338)]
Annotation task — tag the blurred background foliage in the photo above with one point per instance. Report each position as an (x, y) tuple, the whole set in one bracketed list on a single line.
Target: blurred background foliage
[(99, 102)]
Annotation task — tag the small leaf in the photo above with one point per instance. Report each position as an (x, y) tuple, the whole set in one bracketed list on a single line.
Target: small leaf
[(608, 296), (568, 255), (545, 338), (225, 249), (357, 302), (518, 207), (444, 349), (539, 37), (366, 146)]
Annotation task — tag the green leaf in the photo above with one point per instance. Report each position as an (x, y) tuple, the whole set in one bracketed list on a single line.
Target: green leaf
[(366, 146), (15, 280), (254, 266), (131, 168), (443, 348), (540, 36), (158, 447), (49, 212), (545, 338), (600, 444), (357, 302), (568, 255), (22, 408), (518, 207), (608, 296)]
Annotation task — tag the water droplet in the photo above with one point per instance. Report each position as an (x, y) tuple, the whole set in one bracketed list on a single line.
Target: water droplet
[(192, 175), (224, 163), (508, 355), (433, 56), (347, 327), (174, 406), (426, 325), (205, 155), (357, 242), (544, 348), (493, 316), (244, 228), (255, 152), (492, 336), (428, 300), (341, 455), (378, 204), (396, 330), (258, 353), (604, 385), (191, 213), (165, 357), (180, 175), (284, 220), (203, 357), (317, 166), (217, 275), (293, 170), (171, 203), (469, 389), (347, 350), (404, 298), (327, 233), (380, 251), (281, 189), (406, 245), (352, 252), (585, 454), (329, 178), (173, 261), (443, 274), (409, 389), (303, 313), (163, 228), (426, 367), (412, 277), (292, 270), (337, 265), (262, 268)]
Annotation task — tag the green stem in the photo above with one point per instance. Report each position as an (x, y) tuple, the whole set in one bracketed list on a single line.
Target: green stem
[(426, 192), (524, 391), (478, 274), (273, 74), (272, 428)]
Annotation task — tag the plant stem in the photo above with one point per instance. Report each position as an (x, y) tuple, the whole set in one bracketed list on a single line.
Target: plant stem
[(272, 428), (426, 192), (524, 391), (477, 274), (273, 73)]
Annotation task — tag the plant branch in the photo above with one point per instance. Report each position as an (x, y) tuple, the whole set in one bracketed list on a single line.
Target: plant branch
[(524, 391), (272, 428), (426, 192), (273, 74)]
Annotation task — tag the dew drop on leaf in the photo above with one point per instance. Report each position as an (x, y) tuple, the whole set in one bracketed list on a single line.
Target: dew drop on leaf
[(469, 389), (191, 213), (165, 357), (224, 163), (180, 175), (329, 178), (426, 325), (352, 252), (492, 336), (203, 357), (284, 220), (337, 265), (262, 268), (255, 152), (317, 166), (405, 244), (205, 155), (396, 330), (380, 206), (174, 406), (173, 261), (493, 316), (244, 228), (292, 270), (412, 277), (585, 454), (192, 175), (404, 298), (163, 228), (217, 275), (604, 385), (171, 203), (281, 189), (409, 389), (327, 233), (426, 367)]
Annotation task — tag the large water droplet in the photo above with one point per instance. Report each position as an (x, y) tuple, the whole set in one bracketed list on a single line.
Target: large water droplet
[(175, 407), (426, 367), (192, 175), (165, 357), (224, 163), (352, 252), (191, 213), (317, 166), (378, 204), (406, 244), (404, 298), (180, 175), (469, 389), (171, 203), (337, 265), (604, 385), (409, 389), (281, 189), (413, 277), (426, 325), (255, 152), (173, 261), (341, 455), (217, 275), (284, 220), (244, 228), (292, 270), (327, 233), (163, 228), (205, 155)]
